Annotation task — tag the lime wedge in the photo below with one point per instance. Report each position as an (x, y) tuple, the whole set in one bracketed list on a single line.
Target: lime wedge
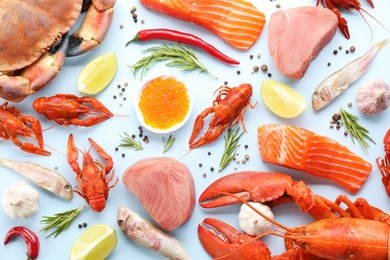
[(282, 100), (97, 74), (96, 243)]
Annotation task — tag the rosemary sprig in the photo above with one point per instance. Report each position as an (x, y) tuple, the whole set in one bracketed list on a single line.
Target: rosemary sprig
[(355, 130), (169, 142), (60, 221), (129, 141), (179, 56), (231, 145)]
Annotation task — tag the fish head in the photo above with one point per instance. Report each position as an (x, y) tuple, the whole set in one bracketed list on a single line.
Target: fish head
[(65, 190), (123, 216), (321, 97), (61, 187)]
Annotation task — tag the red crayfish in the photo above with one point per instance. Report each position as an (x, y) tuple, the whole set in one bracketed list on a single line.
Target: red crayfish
[(384, 164), (359, 232), (92, 179), (67, 109), (346, 4), (14, 124), (228, 108)]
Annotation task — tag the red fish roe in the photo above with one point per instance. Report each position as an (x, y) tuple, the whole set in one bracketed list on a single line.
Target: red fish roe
[(164, 102)]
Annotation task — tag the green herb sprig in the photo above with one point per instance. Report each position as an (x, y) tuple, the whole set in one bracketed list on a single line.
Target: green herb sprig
[(231, 145), (355, 130), (60, 221), (179, 56), (168, 143), (129, 142)]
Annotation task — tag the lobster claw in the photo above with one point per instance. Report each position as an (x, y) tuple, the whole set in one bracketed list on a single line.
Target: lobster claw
[(221, 240), (270, 188), (248, 185)]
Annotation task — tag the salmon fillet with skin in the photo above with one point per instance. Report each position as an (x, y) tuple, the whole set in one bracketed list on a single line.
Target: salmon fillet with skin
[(238, 22), (301, 149)]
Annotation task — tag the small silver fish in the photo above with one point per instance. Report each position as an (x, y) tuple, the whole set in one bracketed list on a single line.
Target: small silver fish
[(337, 82), (147, 235), (41, 176)]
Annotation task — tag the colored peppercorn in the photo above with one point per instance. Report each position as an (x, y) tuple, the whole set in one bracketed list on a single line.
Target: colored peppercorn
[(29, 237)]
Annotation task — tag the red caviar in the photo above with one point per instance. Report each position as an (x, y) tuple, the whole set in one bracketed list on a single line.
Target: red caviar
[(164, 102)]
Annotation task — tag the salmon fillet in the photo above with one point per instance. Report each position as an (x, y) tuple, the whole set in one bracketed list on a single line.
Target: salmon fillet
[(237, 22), (301, 149)]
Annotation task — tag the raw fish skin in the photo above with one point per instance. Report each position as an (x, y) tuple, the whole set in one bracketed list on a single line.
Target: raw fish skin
[(238, 22), (296, 36), (165, 187)]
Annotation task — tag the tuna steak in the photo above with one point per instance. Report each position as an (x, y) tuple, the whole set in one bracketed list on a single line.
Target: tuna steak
[(165, 187), (296, 36)]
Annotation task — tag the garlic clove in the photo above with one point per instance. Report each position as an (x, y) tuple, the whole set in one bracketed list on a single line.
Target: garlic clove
[(252, 223), (373, 97), (20, 200)]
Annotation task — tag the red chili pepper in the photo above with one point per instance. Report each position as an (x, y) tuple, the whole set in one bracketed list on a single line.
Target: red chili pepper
[(29, 237), (186, 38)]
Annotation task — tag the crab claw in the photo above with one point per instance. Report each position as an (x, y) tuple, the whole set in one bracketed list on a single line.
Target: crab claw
[(221, 240), (94, 28), (247, 185)]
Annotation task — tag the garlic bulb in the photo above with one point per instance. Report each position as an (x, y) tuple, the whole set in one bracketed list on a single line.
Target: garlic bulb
[(20, 200), (373, 97), (252, 223)]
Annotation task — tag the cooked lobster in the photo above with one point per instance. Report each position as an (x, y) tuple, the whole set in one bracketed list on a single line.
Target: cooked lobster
[(228, 107), (384, 164), (93, 183), (333, 5), (359, 232), (13, 124), (68, 109)]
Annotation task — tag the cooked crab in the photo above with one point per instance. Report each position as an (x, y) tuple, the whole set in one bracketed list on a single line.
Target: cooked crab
[(29, 29)]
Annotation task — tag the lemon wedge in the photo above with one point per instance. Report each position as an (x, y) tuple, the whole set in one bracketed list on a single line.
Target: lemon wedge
[(97, 74), (96, 243), (281, 99)]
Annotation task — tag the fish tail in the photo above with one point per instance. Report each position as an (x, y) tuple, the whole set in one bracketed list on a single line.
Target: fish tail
[(382, 43), (3, 162)]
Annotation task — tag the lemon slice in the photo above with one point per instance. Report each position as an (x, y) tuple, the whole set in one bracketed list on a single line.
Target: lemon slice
[(96, 243), (282, 100), (97, 74)]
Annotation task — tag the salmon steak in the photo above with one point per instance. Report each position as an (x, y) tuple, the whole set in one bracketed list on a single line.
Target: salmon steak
[(318, 155), (238, 22)]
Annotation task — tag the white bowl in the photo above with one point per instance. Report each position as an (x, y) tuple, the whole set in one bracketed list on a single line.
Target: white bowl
[(141, 117)]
